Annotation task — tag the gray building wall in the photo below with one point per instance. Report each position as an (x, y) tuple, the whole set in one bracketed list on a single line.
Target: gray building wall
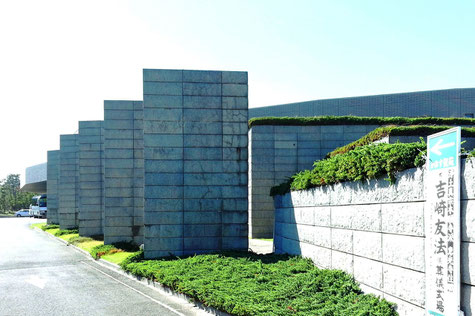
[(438, 103), (195, 147), (91, 155), (278, 152), (52, 186), (68, 181), (123, 173), (375, 231)]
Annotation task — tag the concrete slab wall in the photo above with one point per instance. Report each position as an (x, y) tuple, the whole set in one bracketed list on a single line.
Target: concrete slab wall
[(375, 231), (438, 103), (52, 186), (278, 152), (68, 181), (195, 147), (91, 156), (123, 173)]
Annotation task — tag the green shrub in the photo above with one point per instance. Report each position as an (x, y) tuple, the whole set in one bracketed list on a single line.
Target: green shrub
[(369, 138), (357, 120), (381, 132), (362, 163), (131, 259), (98, 251), (101, 250), (62, 232), (49, 226), (250, 284)]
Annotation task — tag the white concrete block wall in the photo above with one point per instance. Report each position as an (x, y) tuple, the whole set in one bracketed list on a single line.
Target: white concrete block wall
[(278, 152), (375, 231), (68, 182), (91, 176), (123, 171), (195, 153), (52, 186)]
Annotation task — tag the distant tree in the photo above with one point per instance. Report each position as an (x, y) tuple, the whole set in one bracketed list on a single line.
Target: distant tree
[(11, 198)]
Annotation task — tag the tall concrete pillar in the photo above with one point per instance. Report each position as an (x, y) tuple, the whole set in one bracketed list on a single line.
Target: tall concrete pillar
[(261, 178), (123, 174), (68, 182), (195, 152), (91, 156), (52, 186)]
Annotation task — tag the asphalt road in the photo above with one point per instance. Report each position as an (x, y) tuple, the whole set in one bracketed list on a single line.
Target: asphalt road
[(41, 276)]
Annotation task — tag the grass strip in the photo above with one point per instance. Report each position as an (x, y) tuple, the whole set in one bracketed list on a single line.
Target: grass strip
[(118, 257), (358, 120), (251, 284), (38, 225), (67, 237), (264, 239), (94, 245), (52, 231), (113, 251), (88, 245), (62, 232), (49, 227)]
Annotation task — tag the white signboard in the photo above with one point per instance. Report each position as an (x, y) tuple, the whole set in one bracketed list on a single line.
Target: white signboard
[(442, 220)]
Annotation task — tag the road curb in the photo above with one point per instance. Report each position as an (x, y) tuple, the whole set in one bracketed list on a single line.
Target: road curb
[(144, 281)]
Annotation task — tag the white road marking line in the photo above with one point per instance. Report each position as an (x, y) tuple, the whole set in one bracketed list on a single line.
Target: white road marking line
[(141, 293)]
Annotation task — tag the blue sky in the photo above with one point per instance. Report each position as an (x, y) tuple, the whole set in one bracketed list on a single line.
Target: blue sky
[(61, 59), (300, 50)]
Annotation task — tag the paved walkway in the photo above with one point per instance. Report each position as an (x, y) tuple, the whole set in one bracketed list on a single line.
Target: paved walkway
[(261, 246), (41, 276)]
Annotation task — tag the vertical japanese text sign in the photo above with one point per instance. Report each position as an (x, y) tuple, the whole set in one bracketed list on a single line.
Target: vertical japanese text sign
[(442, 223)]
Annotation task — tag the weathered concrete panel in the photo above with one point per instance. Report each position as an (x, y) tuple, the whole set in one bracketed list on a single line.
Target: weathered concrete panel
[(91, 175), (123, 171), (52, 186), (195, 160), (68, 189)]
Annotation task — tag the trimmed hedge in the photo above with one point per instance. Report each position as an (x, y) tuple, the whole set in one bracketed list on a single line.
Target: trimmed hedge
[(361, 163), (243, 283), (358, 120)]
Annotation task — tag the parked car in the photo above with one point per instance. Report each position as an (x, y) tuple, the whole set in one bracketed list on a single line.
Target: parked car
[(22, 213)]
